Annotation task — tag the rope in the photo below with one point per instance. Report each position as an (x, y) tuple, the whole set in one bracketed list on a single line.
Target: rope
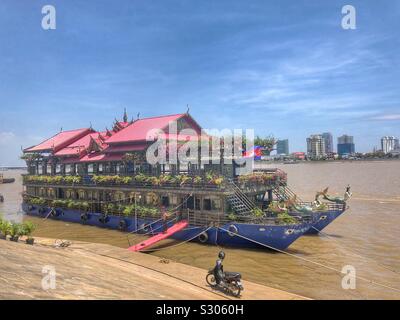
[(355, 253), (313, 262)]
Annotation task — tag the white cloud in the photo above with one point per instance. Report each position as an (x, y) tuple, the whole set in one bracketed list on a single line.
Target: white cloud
[(387, 117)]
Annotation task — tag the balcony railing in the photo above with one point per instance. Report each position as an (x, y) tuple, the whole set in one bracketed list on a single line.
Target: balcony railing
[(247, 184)]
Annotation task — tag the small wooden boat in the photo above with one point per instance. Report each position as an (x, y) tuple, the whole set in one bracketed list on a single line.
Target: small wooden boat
[(6, 180)]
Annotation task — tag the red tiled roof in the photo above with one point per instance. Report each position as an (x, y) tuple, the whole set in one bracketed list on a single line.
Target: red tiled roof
[(138, 130), (126, 148), (81, 145), (97, 157), (60, 140)]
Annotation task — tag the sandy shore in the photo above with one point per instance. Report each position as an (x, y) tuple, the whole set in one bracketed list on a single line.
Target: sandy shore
[(99, 271)]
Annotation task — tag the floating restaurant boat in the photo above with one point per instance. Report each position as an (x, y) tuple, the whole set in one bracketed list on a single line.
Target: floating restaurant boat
[(103, 179)]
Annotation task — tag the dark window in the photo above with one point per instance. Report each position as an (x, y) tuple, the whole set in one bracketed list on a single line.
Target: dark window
[(207, 204), (165, 201)]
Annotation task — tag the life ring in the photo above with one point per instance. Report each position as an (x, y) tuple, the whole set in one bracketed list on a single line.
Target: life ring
[(104, 218), (203, 237), (232, 230), (323, 218), (122, 225), (84, 217)]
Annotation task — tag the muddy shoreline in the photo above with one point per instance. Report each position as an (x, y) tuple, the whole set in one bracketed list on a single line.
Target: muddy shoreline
[(92, 271)]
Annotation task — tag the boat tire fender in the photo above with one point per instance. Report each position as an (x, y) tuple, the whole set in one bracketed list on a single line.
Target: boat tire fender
[(84, 217), (122, 225), (144, 227), (232, 230), (203, 237)]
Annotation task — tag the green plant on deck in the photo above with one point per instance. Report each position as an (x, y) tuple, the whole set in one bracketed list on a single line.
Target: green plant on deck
[(232, 216), (38, 201), (110, 208), (286, 218), (128, 210), (84, 206), (140, 177), (257, 212), (197, 180)]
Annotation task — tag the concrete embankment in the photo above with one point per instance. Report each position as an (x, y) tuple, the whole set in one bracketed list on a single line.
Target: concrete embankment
[(99, 271)]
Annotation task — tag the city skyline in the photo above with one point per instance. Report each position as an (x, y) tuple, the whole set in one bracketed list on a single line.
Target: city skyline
[(237, 65)]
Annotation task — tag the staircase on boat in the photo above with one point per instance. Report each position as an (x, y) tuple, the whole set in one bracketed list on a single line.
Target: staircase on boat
[(239, 201), (284, 193)]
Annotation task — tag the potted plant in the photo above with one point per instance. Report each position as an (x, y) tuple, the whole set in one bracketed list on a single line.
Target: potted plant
[(5, 227), (28, 227), (15, 231)]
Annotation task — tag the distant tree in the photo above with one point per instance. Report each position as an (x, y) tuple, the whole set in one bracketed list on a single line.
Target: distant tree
[(266, 143)]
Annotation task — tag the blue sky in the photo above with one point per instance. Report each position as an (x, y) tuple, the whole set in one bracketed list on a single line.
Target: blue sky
[(285, 68)]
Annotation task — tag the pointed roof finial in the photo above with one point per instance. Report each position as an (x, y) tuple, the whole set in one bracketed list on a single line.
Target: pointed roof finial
[(125, 116), (187, 111)]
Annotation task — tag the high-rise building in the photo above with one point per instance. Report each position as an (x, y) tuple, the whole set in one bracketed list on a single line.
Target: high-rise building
[(389, 143), (327, 136), (282, 146), (316, 146), (345, 145)]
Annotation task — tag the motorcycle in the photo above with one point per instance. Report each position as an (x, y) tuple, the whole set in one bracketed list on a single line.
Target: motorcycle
[(232, 280)]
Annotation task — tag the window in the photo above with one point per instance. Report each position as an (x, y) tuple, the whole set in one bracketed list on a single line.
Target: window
[(68, 169), (82, 194), (90, 168), (197, 204), (48, 169), (216, 204), (207, 204), (58, 168), (100, 167), (32, 170), (165, 201), (40, 169)]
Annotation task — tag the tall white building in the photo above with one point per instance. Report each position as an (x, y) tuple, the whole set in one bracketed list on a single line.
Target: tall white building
[(389, 143), (316, 146)]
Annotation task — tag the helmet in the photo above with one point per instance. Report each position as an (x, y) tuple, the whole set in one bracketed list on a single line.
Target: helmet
[(221, 255)]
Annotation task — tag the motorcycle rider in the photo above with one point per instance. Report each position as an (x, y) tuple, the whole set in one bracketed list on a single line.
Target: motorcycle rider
[(219, 270)]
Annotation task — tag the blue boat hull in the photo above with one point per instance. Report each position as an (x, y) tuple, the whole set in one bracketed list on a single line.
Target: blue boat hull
[(277, 237), (322, 220)]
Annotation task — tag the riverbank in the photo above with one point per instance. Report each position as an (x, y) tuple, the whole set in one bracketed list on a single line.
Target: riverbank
[(99, 271)]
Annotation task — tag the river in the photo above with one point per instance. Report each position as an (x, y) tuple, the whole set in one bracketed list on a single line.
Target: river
[(366, 236)]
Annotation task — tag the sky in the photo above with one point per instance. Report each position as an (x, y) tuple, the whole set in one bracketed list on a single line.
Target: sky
[(283, 68)]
